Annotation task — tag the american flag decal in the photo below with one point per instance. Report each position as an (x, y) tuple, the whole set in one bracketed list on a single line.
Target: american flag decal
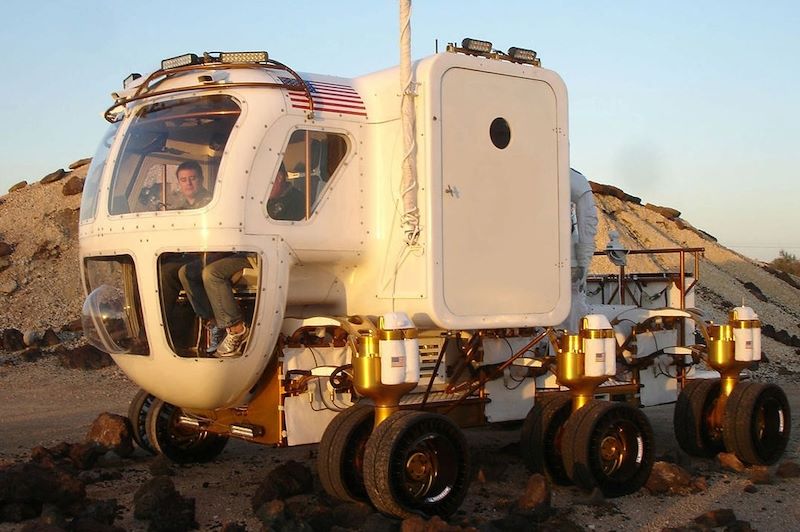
[(328, 97)]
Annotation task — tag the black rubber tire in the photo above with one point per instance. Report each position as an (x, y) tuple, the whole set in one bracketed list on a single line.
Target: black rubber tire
[(179, 443), (610, 446), (340, 461), (417, 463), (541, 436), (137, 414), (691, 418), (757, 423)]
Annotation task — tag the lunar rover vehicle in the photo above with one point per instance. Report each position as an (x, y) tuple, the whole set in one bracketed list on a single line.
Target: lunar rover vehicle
[(399, 282)]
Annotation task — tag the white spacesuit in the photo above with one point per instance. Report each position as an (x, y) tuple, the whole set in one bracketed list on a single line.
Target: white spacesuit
[(584, 229)]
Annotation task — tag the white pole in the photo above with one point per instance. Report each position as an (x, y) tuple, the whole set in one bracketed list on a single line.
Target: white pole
[(409, 185)]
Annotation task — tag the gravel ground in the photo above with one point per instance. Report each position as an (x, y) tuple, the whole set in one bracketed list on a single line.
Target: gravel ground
[(44, 404)]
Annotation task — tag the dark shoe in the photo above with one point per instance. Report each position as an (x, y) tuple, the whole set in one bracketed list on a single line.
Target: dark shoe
[(214, 335)]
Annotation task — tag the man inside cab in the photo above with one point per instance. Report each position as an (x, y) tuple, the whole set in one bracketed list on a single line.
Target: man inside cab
[(190, 183)]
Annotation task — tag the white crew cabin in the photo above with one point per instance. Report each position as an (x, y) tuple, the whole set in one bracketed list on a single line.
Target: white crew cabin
[(302, 180)]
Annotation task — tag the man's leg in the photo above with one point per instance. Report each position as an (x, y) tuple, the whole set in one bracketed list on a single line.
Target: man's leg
[(217, 283), (191, 277)]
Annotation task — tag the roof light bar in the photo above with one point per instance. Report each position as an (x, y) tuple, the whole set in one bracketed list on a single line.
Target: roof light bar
[(522, 55), (179, 61), (243, 57), (474, 45), (127, 82)]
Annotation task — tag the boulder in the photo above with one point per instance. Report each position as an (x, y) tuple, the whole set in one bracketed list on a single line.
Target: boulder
[(668, 478), (53, 176), (18, 186), (74, 185), (28, 486), (760, 475), (788, 469), (288, 479), (31, 338), (730, 461), (80, 162), (610, 190), (112, 432), (5, 262), (666, 212), (6, 249), (158, 502), (307, 509), (535, 501), (50, 338), (12, 340), (83, 357), (85, 455), (716, 518)]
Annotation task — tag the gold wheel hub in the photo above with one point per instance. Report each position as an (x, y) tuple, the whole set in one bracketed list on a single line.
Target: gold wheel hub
[(611, 449), (418, 466)]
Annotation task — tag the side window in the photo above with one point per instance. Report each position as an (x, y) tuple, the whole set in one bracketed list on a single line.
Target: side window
[(296, 192)]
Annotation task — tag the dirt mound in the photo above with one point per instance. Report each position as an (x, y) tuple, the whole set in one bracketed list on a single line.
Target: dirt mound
[(40, 277), (726, 278)]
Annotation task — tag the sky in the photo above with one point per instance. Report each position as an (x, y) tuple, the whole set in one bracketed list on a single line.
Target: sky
[(688, 104)]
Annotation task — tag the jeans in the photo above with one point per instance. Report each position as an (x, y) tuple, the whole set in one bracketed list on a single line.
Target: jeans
[(170, 283), (191, 278), (219, 291)]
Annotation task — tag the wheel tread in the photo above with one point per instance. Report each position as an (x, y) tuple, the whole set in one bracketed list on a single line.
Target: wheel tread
[(534, 431), (379, 458), (739, 431), (688, 418), (579, 448), (332, 447), (205, 448), (137, 415)]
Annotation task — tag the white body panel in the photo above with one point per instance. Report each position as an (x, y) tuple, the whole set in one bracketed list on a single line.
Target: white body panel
[(495, 255)]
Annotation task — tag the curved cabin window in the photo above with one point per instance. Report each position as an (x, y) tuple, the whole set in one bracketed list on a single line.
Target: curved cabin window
[(171, 153), (202, 290), (91, 187), (296, 193), (112, 313)]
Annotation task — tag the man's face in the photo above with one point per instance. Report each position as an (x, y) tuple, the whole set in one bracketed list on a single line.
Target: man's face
[(189, 183)]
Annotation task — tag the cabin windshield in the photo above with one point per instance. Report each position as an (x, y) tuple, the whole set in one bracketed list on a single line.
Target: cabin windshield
[(91, 188), (171, 154)]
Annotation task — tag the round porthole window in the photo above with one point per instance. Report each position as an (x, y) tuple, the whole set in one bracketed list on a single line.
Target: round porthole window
[(500, 133)]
